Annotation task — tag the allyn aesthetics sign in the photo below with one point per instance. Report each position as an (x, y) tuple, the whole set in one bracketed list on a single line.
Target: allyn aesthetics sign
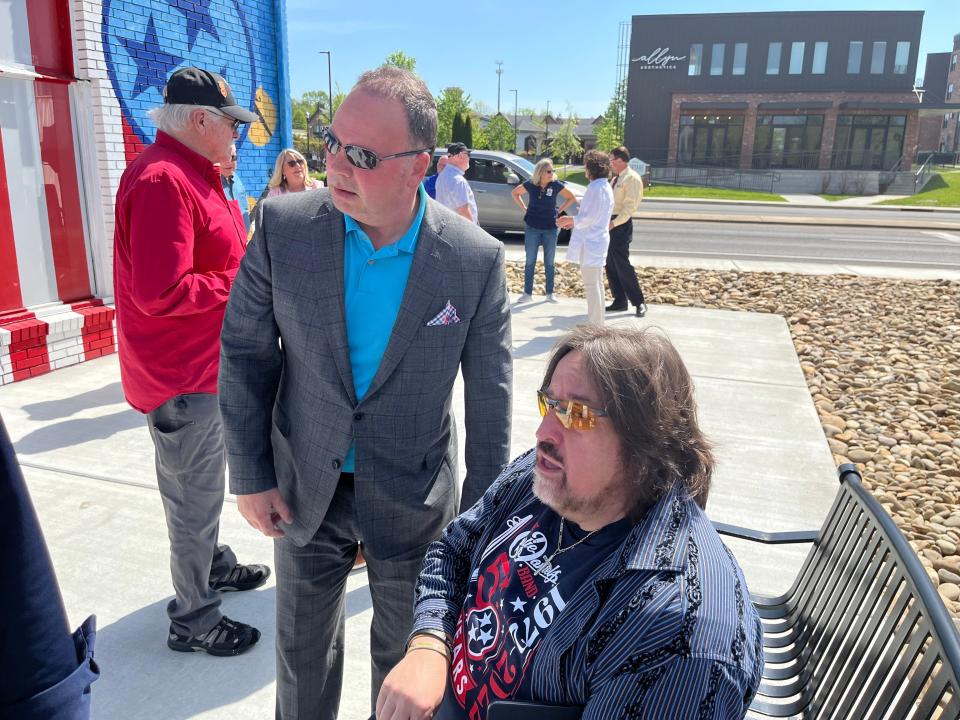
[(659, 59)]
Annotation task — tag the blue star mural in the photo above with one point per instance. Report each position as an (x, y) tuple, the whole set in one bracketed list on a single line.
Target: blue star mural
[(153, 64), (198, 19)]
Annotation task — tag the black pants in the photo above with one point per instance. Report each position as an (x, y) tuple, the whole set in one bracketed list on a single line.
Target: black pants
[(624, 284)]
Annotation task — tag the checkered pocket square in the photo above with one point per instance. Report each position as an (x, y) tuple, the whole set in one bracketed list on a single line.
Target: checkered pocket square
[(447, 316)]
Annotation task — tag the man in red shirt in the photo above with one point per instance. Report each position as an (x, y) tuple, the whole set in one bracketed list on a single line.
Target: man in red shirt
[(177, 247)]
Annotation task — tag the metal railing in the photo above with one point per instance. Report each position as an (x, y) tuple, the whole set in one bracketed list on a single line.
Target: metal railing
[(714, 176), (923, 174)]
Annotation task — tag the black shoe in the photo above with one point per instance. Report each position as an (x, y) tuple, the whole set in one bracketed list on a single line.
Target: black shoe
[(616, 307), (228, 637), (641, 310), (242, 577)]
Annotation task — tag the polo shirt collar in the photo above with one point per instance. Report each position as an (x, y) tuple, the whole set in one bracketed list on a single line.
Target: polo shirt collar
[(454, 168), (659, 541), (197, 160), (408, 241)]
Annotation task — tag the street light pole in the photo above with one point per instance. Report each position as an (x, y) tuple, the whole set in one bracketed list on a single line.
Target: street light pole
[(515, 131), (329, 93), (499, 73)]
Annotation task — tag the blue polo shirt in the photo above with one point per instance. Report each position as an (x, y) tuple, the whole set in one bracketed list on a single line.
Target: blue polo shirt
[(374, 281)]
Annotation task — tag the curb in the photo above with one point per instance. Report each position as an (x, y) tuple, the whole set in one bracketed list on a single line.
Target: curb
[(765, 219)]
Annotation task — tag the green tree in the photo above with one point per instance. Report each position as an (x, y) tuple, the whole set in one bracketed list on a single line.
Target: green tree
[(456, 134), (299, 117), (398, 58), (499, 134), (468, 131), (565, 144), (452, 101), (610, 131), (480, 140)]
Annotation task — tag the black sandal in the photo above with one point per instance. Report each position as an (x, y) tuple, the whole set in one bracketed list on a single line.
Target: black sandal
[(228, 637), (242, 577)]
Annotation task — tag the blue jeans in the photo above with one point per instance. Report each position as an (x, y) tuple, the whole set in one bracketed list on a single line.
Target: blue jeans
[(533, 238)]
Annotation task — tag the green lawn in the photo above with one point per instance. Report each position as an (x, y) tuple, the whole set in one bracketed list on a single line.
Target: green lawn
[(690, 191), (943, 190)]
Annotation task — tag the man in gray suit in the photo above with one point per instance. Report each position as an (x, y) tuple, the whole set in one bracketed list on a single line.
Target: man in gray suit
[(353, 311)]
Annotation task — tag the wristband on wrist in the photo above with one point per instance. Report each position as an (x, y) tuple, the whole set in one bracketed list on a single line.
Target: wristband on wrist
[(428, 646), (438, 634)]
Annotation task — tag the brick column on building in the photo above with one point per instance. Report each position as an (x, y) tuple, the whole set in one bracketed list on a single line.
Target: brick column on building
[(827, 137), (911, 138), (674, 131), (110, 160), (749, 133)]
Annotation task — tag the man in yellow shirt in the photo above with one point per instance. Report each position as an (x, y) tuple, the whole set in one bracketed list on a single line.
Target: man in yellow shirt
[(627, 194)]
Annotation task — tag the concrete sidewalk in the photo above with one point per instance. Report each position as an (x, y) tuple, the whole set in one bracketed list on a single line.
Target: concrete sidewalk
[(88, 461)]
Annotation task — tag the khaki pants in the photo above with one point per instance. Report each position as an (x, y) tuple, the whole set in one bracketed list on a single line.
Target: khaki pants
[(593, 289)]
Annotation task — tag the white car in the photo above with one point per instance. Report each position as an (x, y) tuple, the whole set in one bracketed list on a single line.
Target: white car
[(493, 175)]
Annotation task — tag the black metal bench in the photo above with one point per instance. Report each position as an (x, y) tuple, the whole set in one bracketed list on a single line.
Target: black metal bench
[(862, 634)]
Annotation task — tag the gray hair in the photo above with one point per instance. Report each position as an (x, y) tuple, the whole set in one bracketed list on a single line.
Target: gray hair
[(174, 117), (392, 83)]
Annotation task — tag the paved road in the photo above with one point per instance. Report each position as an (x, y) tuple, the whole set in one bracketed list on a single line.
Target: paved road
[(821, 214), (807, 244)]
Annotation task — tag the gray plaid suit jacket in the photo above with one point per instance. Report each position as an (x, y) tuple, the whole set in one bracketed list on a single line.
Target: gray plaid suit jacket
[(286, 386)]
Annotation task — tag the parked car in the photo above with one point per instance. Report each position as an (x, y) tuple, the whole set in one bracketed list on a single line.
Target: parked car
[(493, 175)]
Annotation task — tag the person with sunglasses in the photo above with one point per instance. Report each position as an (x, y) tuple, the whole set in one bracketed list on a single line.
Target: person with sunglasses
[(178, 242), (355, 310), (588, 576), (290, 174), (540, 219)]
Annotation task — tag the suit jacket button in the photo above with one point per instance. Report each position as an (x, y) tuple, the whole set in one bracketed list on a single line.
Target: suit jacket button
[(336, 464), (358, 417)]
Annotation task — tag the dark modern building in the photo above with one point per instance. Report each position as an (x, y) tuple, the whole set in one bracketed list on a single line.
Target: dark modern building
[(785, 90), (940, 119)]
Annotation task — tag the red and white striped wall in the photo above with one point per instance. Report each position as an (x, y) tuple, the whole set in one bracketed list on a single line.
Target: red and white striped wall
[(49, 313)]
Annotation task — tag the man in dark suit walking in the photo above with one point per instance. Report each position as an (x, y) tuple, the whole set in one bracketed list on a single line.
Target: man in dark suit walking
[(353, 311)]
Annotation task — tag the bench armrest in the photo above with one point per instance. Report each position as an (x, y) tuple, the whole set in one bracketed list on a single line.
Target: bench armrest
[(773, 538)]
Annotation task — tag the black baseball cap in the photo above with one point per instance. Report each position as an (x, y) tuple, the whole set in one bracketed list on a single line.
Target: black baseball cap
[(196, 86), (457, 148)]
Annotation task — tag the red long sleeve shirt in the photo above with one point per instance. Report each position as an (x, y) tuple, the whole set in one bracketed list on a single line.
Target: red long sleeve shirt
[(177, 246)]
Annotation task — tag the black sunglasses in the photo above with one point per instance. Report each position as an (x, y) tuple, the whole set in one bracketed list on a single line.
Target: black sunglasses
[(361, 157), (233, 121), (293, 162)]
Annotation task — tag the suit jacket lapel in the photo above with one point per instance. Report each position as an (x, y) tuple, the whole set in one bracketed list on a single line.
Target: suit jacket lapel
[(419, 298), (328, 232)]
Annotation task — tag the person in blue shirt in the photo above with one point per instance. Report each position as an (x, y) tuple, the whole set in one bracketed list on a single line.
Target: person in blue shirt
[(542, 191), (588, 574), (430, 182), (233, 186)]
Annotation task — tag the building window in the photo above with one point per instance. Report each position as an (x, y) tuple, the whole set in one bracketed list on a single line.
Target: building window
[(949, 91), (710, 140), (787, 141), (740, 59), (853, 59), (953, 61), (878, 57), (946, 119), (716, 59), (773, 58), (796, 58), (868, 142), (819, 58), (696, 59), (901, 59)]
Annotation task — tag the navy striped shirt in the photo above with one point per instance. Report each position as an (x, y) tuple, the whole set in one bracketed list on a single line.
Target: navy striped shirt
[(663, 628)]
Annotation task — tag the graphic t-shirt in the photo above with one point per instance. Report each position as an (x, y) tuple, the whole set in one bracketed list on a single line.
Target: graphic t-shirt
[(542, 205), (513, 598)]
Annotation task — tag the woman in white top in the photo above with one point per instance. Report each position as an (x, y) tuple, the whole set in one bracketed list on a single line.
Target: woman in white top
[(290, 174), (590, 235)]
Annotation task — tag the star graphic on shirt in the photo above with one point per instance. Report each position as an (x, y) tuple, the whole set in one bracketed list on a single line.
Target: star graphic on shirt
[(474, 632), (518, 604), (486, 637), (484, 620), (153, 64), (198, 19)]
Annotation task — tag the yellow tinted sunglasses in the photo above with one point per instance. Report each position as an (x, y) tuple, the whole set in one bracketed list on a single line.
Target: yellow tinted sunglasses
[(571, 414)]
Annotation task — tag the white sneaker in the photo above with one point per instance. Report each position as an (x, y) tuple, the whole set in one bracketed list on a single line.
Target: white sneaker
[(524, 298), (551, 298)]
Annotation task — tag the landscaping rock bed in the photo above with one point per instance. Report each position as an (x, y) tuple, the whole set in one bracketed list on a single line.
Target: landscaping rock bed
[(881, 358)]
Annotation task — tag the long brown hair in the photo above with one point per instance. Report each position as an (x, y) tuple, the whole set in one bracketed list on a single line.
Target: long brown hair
[(648, 395)]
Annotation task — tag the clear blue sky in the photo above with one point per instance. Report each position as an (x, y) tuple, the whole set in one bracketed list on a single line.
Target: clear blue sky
[(563, 51)]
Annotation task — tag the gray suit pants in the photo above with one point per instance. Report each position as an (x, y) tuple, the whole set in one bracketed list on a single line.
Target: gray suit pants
[(187, 435), (311, 608)]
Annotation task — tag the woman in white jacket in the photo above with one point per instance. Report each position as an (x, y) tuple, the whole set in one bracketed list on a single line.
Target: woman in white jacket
[(590, 232)]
